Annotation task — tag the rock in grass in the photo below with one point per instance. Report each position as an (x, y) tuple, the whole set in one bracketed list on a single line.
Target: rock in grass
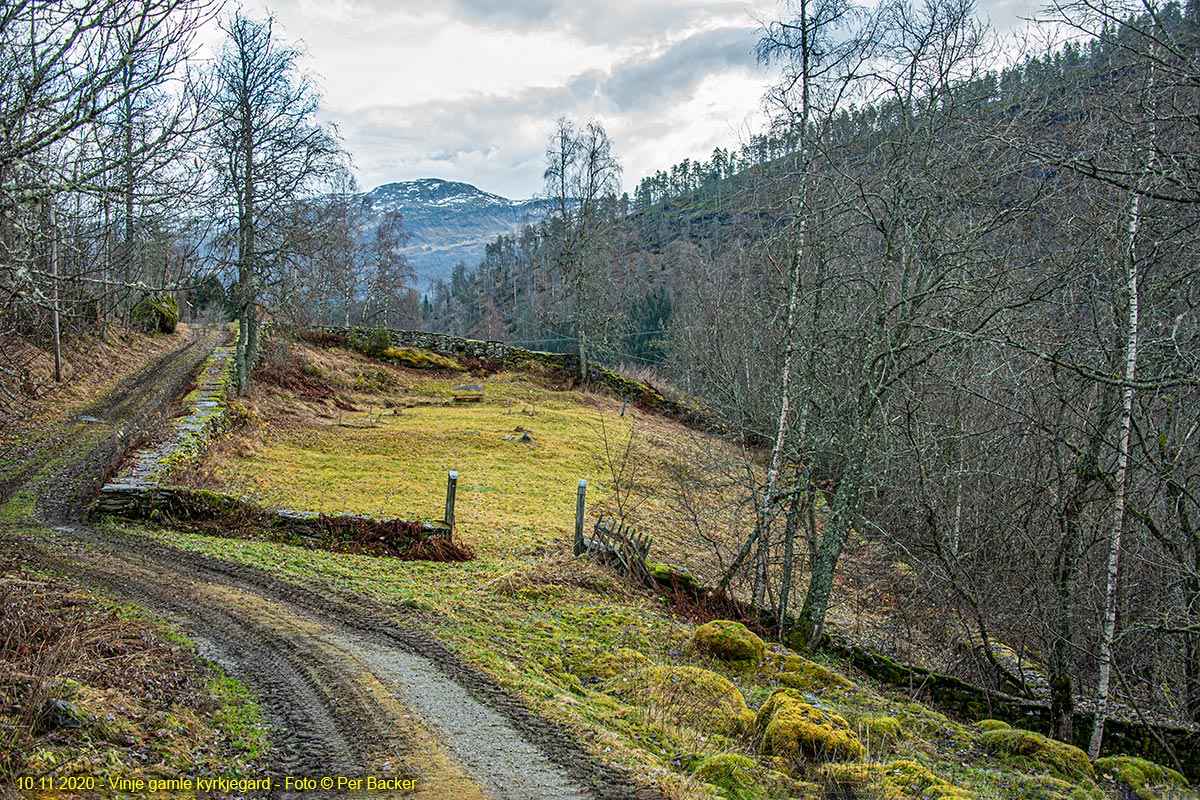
[(688, 696), (796, 730), (1065, 759), (57, 714), (898, 780), (728, 641), (670, 575), (1145, 778)]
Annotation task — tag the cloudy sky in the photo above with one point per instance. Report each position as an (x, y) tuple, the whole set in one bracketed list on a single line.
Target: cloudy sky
[(469, 90)]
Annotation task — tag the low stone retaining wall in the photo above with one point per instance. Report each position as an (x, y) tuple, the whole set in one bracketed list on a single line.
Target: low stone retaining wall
[(142, 487)]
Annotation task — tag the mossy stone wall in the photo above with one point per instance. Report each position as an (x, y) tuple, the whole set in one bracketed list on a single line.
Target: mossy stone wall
[(957, 697)]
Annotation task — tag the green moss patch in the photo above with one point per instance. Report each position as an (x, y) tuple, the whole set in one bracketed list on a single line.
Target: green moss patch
[(812, 677), (898, 780), (730, 772), (880, 731), (728, 641), (1065, 759), (740, 778), (1145, 778), (623, 661), (419, 359), (992, 725)]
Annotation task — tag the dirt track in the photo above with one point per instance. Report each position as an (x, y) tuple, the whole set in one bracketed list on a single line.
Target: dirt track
[(350, 690)]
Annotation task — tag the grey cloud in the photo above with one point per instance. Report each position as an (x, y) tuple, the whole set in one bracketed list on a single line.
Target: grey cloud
[(676, 73)]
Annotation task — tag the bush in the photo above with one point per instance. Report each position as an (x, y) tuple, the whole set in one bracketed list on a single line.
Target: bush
[(374, 343), (156, 312)]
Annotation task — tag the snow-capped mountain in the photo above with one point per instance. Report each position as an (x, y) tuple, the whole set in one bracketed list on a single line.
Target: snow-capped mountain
[(450, 222)]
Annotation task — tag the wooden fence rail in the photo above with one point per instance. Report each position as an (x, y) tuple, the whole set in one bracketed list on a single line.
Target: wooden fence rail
[(620, 546)]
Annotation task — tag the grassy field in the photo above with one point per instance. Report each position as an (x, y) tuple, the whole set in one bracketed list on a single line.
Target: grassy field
[(610, 662), (385, 440)]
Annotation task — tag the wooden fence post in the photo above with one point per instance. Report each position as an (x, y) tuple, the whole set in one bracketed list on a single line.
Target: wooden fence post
[(451, 491), (580, 506)]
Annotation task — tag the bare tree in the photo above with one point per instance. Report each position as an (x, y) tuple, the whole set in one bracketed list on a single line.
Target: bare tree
[(582, 177), (268, 151)]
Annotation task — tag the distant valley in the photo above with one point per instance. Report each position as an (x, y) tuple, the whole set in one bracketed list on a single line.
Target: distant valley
[(450, 222)]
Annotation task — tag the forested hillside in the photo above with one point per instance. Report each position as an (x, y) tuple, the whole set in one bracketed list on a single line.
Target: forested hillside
[(952, 299)]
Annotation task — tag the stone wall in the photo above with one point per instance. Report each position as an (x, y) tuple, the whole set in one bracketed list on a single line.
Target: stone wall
[(205, 418), (957, 697)]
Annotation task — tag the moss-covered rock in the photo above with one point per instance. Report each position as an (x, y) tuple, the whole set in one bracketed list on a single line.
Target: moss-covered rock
[(687, 696), (898, 780), (156, 312), (673, 577), (992, 725), (728, 641), (812, 677), (796, 730), (731, 773), (1065, 759), (1146, 779), (787, 662)]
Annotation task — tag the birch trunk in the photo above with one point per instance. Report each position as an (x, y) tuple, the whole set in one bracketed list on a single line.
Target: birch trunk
[(1108, 636)]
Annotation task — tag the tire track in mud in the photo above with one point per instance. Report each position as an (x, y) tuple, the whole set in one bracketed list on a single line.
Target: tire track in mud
[(346, 698), (348, 689)]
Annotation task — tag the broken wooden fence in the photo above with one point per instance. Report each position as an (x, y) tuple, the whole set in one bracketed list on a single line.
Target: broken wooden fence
[(620, 546)]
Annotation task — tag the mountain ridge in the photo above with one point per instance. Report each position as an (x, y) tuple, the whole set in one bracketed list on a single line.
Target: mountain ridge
[(450, 222)]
